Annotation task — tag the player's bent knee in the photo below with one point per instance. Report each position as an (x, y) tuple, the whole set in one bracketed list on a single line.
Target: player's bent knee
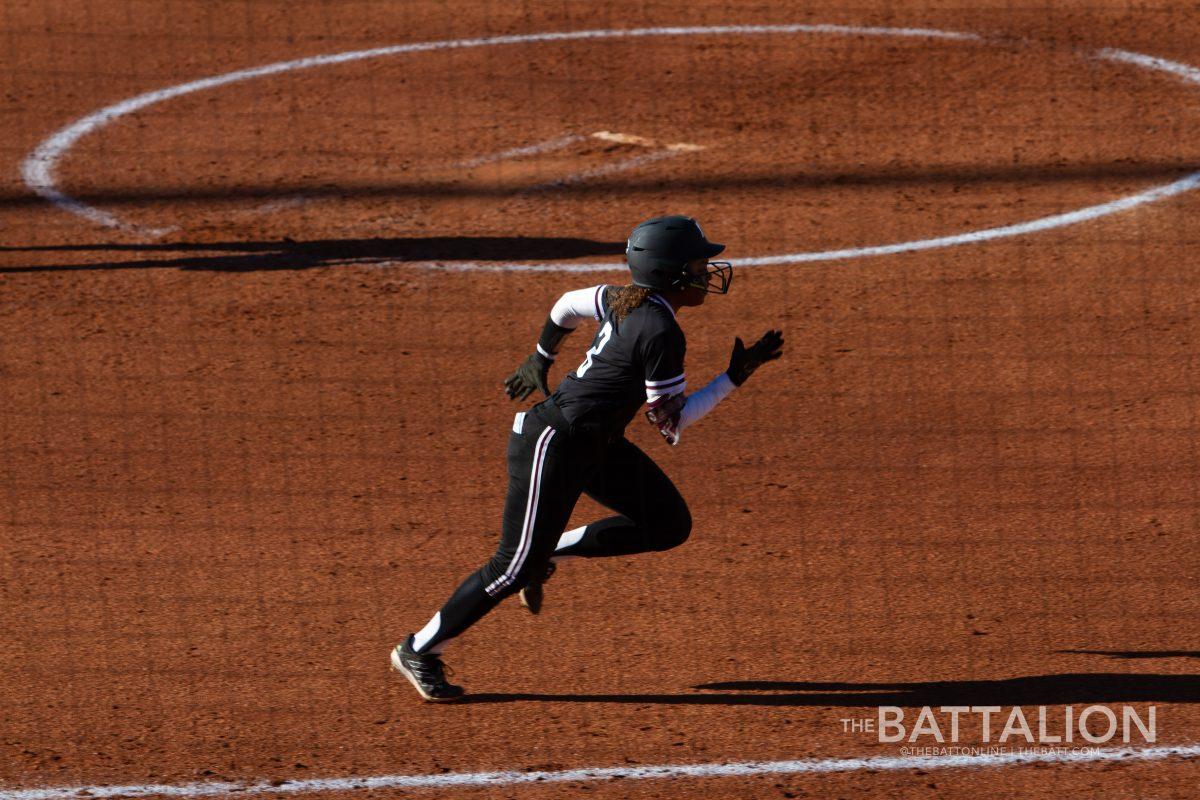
[(674, 531)]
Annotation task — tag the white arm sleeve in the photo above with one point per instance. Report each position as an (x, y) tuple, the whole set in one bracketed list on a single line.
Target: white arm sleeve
[(700, 403), (574, 307)]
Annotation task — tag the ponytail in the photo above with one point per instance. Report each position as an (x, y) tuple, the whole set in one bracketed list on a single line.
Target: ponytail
[(626, 298)]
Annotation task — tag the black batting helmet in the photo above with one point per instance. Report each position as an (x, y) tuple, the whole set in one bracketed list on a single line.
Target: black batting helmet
[(659, 249)]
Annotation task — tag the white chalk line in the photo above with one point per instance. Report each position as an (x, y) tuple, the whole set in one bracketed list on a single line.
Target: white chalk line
[(38, 169), (274, 206), (38, 172), (594, 774), (548, 146), (284, 202), (611, 168), (1187, 73), (1185, 184), (661, 151)]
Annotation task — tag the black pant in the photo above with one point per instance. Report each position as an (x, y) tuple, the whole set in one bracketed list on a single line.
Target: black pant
[(548, 468)]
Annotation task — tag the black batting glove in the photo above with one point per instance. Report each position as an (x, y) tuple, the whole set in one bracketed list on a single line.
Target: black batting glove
[(744, 360), (529, 376)]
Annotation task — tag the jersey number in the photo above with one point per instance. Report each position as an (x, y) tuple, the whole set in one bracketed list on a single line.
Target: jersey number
[(601, 340)]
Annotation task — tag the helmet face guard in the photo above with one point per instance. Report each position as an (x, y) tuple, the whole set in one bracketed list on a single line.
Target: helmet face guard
[(716, 278)]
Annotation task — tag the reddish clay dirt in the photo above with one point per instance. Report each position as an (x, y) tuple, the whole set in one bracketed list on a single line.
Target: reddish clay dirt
[(243, 459)]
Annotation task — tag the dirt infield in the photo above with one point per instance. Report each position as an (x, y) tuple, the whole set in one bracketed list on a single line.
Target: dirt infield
[(244, 456)]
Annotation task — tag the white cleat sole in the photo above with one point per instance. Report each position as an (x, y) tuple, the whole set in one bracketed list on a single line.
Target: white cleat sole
[(398, 666)]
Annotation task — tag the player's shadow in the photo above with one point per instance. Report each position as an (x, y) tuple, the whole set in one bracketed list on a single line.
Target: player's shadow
[(289, 254), (1047, 690)]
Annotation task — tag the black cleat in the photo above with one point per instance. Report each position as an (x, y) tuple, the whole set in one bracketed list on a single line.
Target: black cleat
[(531, 595), (426, 672)]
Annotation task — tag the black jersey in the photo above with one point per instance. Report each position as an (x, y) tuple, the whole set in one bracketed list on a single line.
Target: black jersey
[(635, 361)]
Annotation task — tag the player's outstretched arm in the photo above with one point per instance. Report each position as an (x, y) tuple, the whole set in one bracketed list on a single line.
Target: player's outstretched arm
[(571, 309), (672, 414)]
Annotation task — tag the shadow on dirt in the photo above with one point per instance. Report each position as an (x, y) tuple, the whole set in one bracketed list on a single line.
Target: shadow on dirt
[(288, 254), (1047, 690), (1136, 653), (784, 176)]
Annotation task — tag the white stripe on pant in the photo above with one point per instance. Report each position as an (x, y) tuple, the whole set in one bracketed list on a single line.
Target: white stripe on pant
[(535, 485)]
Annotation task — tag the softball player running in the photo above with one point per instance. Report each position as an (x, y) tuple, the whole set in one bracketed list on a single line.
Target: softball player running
[(573, 442)]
